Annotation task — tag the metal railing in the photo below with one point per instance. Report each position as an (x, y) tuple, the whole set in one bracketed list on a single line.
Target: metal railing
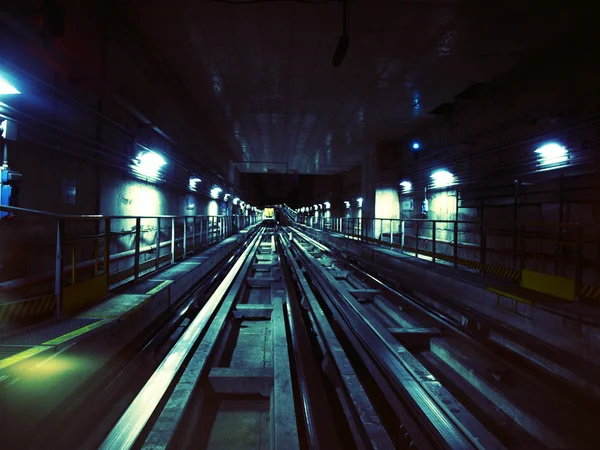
[(499, 248), (92, 254)]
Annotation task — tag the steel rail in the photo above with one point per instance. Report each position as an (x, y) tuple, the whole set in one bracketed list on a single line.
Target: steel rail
[(396, 361), (172, 414), (371, 432), (134, 420)]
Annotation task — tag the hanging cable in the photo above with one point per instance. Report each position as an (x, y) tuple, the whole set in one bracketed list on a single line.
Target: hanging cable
[(342, 47), (247, 2)]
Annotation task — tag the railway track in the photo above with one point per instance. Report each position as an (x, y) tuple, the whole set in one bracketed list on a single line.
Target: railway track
[(296, 347), (452, 384)]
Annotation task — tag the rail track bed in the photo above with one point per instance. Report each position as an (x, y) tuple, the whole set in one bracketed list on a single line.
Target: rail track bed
[(443, 380), (294, 346)]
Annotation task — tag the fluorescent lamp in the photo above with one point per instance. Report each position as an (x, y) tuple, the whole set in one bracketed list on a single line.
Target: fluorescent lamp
[(359, 201), (327, 205), (347, 203), (552, 154), (442, 178), (6, 88), (226, 197), (236, 200), (148, 164), (406, 186), (193, 182)]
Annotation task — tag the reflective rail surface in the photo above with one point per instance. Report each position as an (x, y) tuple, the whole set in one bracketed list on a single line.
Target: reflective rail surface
[(131, 424), (455, 372)]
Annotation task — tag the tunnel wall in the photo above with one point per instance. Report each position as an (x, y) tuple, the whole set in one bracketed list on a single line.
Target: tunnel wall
[(88, 100)]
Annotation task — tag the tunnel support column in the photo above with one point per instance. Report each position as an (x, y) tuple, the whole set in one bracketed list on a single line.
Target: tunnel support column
[(368, 184)]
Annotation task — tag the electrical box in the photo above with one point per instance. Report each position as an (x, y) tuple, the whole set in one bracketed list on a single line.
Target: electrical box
[(9, 179), (9, 189)]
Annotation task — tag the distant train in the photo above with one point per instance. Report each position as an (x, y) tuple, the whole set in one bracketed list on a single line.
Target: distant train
[(268, 217)]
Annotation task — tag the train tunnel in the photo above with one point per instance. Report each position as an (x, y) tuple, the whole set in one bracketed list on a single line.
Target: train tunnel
[(306, 224)]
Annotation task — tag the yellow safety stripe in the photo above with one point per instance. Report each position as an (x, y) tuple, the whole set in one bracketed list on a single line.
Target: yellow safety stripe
[(27, 308)]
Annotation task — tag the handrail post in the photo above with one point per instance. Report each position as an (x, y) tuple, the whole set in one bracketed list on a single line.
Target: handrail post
[(73, 262), (482, 248), (522, 237), (173, 240), (157, 243), (58, 274), (96, 241), (136, 261), (402, 225), (194, 234), (455, 249), (417, 239), (201, 231), (107, 250), (579, 264), (433, 232), (185, 224)]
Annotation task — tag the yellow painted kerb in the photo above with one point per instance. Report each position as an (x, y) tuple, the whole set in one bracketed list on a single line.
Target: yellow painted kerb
[(21, 356)]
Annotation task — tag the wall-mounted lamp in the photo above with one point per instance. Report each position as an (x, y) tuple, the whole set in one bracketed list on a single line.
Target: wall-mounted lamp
[(215, 191), (148, 164), (442, 178), (406, 186), (552, 155), (193, 182), (7, 88)]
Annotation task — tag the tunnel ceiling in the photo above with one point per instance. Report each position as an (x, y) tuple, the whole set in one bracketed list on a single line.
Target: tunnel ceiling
[(263, 75)]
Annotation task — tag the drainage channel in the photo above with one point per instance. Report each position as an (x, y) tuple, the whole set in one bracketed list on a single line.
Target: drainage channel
[(438, 384)]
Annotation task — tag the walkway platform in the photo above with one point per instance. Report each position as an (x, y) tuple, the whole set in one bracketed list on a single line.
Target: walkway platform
[(43, 365)]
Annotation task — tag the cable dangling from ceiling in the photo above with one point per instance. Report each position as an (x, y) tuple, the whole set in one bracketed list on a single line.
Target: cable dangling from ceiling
[(342, 48)]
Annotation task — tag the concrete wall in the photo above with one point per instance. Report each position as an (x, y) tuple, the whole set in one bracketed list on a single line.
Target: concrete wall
[(87, 100), (488, 142)]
